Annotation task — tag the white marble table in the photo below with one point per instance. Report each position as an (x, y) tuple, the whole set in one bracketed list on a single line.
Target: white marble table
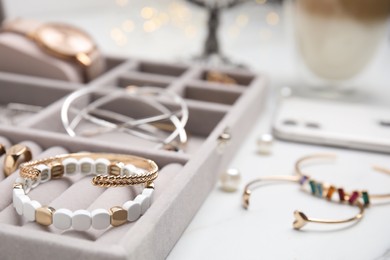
[(222, 229)]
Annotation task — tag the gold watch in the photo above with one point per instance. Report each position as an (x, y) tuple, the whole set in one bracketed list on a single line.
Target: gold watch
[(63, 41)]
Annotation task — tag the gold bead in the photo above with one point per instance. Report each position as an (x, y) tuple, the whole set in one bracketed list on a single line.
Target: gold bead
[(44, 215), (57, 170), (118, 216), (149, 185), (115, 168)]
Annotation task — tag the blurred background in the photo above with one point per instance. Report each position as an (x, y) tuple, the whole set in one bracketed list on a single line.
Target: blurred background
[(342, 44)]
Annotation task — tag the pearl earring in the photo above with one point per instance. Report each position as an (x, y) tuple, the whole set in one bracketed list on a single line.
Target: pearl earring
[(230, 180)]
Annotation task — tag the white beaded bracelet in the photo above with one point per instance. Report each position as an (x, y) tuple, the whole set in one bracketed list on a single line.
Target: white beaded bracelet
[(123, 170)]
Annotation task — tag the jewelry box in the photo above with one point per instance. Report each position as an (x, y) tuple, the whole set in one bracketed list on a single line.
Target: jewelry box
[(185, 178)]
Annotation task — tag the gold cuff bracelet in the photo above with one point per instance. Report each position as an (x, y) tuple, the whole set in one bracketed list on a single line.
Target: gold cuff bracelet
[(301, 219)]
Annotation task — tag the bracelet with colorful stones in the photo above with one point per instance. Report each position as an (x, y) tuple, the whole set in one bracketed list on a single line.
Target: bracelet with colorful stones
[(329, 192), (358, 198), (301, 219), (111, 170)]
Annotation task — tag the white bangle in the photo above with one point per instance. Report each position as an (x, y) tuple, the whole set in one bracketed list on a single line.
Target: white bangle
[(129, 171)]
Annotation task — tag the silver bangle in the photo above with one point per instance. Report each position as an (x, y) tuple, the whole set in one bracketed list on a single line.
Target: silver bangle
[(141, 128)]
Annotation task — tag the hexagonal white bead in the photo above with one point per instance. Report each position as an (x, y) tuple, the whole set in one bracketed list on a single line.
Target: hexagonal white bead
[(15, 193), (133, 210), (19, 180), (36, 182), (148, 192), (27, 185), (45, 172), (81, 220), (87, 165), (139, 171), (101, 219), (29, 208), (129, 170), (62, 218), (71, 166), (101, 165), (19, 201), (144, 201)]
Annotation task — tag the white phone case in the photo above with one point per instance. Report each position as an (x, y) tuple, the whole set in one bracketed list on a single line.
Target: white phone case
[(334, 123)]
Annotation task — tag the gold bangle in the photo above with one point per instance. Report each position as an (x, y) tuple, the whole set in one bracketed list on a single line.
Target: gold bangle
[(329, 190), (15, 156), (301, 219), (113, 170)]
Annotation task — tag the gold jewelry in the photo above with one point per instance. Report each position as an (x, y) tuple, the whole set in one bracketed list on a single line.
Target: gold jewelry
[(15, 156), (2, 149), (328, 191), (63, 41), (218, 77), (113, 170), (301, 219)]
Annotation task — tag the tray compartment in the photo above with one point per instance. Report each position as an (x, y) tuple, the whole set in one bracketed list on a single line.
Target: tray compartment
[(140, 80), (202, 121), (240, 76), (68, 192), (26, 92), (164, 69), (226, 95)]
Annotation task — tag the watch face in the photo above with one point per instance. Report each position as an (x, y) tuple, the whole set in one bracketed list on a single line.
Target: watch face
[(64, 39)]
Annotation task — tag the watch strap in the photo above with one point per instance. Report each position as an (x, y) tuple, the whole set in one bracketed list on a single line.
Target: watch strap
[(28, 27), (22, 26), (97, 67)]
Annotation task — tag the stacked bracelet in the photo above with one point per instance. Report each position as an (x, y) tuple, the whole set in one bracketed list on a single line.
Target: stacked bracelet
[(113, 170)]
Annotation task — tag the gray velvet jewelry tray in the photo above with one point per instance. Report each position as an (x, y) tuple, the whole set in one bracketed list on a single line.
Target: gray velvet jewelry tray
[(185, 178)]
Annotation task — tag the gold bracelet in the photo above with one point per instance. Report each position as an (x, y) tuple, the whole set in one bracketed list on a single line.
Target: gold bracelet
[(328, 191), (112, 169), (301, 219)]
